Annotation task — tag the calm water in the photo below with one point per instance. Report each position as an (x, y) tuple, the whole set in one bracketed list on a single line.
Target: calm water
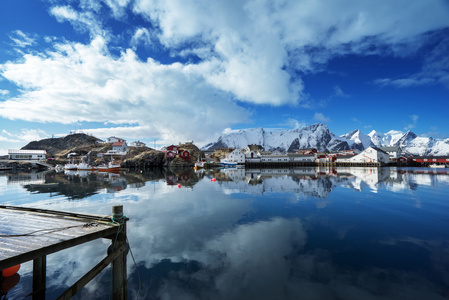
[(355, 233)]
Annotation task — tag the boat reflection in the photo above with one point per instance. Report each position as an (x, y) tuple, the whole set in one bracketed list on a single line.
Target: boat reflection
[(316, 182)]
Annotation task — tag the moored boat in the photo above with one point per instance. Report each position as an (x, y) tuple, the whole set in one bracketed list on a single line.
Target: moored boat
[(199, 164), (437, 166), (110, 167), (226, 162), (71, 165), (84, 167)]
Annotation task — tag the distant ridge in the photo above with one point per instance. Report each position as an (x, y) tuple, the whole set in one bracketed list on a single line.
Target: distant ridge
[(320, 137), (54, 145)]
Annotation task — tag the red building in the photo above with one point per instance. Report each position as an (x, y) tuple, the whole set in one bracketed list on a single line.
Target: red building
[(172, 150), (431, 159), (402, 159), (185, 155)]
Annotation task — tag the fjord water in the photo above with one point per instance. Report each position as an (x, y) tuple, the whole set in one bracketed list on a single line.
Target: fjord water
[(304, 233)]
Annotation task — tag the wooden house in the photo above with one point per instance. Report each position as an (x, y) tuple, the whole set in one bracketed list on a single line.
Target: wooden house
[(431, 160), (185, 154), (236, 156), (120, 147)]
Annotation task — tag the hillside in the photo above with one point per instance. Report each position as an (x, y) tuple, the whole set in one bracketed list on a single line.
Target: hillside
[(54, 146), (90, 146)]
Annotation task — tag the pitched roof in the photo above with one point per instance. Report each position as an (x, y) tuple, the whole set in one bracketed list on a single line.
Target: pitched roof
[(390, 149), (118, 144)]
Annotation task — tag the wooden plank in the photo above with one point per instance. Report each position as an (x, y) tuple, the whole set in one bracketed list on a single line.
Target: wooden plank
[(77, 286), (29, 233)]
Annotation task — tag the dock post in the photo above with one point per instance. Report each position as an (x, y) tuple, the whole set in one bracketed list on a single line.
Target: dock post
[(39, 277), (119, 276)]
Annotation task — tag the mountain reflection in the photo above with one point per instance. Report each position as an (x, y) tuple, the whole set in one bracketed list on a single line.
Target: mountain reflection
[(308, 181), (320, 182)]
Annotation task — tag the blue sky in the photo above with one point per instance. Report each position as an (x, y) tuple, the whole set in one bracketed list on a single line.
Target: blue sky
[(176, 70)]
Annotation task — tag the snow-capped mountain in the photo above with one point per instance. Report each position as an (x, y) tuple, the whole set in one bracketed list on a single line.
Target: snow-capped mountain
[(358, 140), (320, 137), (314, 136)]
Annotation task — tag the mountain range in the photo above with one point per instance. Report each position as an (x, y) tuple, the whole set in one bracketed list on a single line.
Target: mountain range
[(320, 137)]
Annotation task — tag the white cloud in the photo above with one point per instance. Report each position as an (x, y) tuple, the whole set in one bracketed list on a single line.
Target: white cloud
[(434, 69), (4, 92), (293, 123), (84, 83), (21, 39), (250, 51), (414, 122), (19, 139), (321, 118), (229, 131), (338, 92), (84, 21), (141, 35), (258, 45)]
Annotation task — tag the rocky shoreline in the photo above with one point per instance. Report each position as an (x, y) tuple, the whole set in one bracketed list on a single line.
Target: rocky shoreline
[(91, 149)]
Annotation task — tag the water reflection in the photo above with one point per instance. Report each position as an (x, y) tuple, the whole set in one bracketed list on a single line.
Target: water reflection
[(315, 182), (257, 234)]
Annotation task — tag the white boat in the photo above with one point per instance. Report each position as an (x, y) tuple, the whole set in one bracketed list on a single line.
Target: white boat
[(59, 168), (71, 165), (84, 167), (437, 166), (226, 162), (199, 164)]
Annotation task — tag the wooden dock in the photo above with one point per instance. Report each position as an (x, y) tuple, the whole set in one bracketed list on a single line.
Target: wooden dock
[(31, 234)]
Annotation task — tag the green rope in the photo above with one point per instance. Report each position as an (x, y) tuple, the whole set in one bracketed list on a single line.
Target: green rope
[(120, 227)]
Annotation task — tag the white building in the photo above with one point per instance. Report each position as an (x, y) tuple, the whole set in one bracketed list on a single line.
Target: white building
[(393, 152), (369, 155), (236, 156), (120, 147), (26, 154), (137, 144), (274, 159), (114, 139), (302, 158)]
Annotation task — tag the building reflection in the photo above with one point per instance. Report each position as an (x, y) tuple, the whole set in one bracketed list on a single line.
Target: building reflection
[(318, 182)]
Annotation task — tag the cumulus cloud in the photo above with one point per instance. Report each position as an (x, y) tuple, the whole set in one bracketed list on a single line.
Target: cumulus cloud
[(86, 83)]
